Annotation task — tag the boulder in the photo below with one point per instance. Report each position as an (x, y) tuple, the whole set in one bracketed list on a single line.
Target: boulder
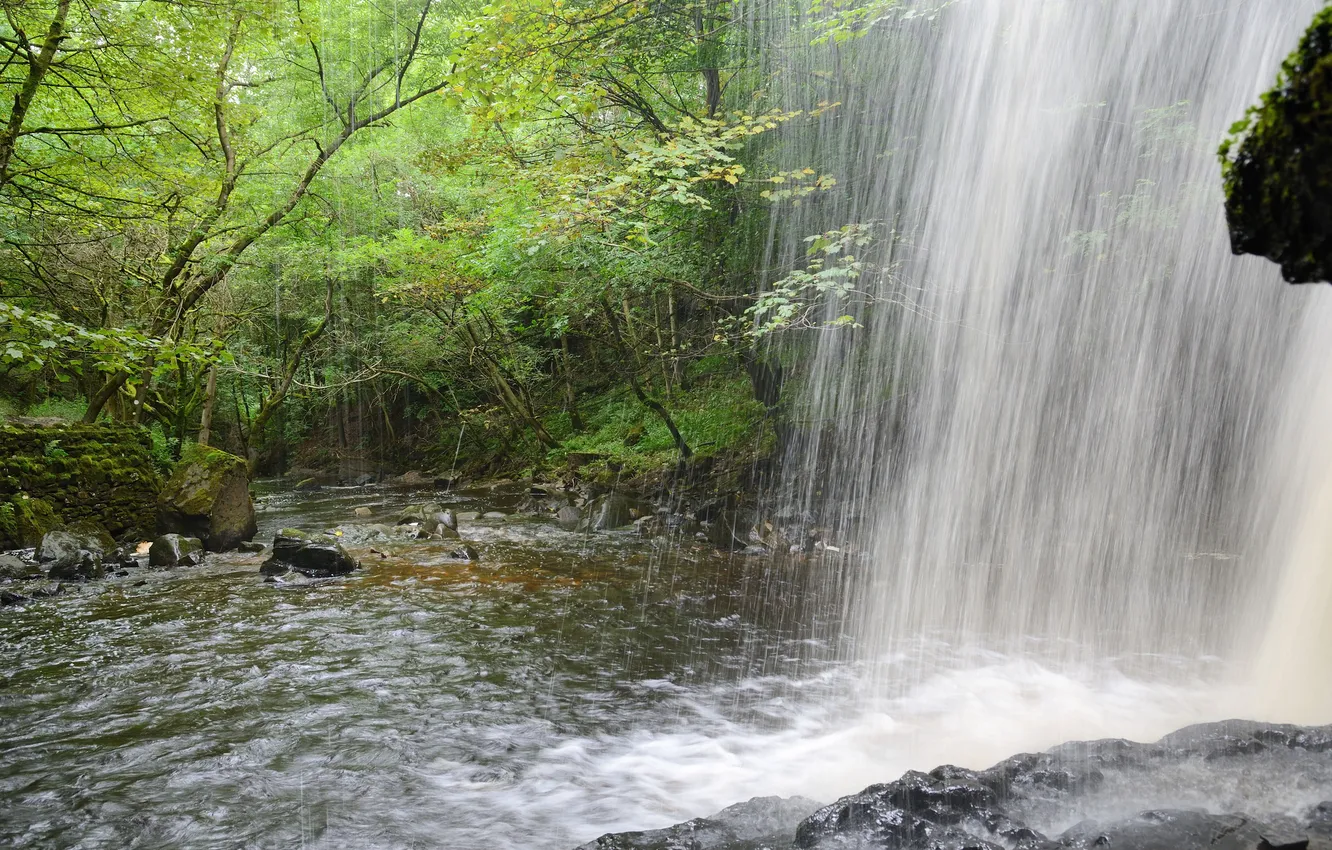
[(96, 538), (14, 567), (312, 555), (568, 517), (83, 566), (615, 510), (208, 497), (62, 544), (445, 525), (761, 822), (25, 521), (120, 558), (363, 513), (175, 550), (418, 514), (252, 547)]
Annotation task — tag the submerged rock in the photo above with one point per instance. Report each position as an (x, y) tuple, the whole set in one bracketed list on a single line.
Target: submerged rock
[(175, 550), (251, 547), (615, 510), (313, 556), (208, 497)]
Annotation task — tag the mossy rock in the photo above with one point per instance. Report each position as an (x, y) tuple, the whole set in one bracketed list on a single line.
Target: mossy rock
[(25, 521), (208, 497), (1277, 165)]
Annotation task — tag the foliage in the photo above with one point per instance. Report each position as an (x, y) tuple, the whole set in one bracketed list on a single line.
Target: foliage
[(1276, 165)]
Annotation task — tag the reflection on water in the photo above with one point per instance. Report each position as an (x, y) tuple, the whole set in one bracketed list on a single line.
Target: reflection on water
[(565, 686)]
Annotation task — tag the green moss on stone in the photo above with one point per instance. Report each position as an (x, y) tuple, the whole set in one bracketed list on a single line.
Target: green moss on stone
[(1277, 165), (198, 477)]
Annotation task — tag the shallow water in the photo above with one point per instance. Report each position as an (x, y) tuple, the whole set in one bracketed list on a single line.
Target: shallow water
[(567, 686)]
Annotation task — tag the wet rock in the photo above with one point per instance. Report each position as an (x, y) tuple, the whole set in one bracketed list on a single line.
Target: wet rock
[(419, 514), (208, 497), (364, 480), (494, 515), (724, 531), (363, 513), (467, 553), (615, 510), (94, 536), (468, 516), (307, 485), (447, 519), (14, 568), (314, 556), (412, 478), (120, 558), (7, 598), (443, 524), (1168, 830), (84, 566), (568, 517), (176, 550), (252, 547), (763, 821), (73, 556)]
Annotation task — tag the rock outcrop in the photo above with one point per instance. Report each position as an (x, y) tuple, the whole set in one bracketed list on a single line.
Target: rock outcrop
[(1277, 167), (208, 497), (1008, 806)]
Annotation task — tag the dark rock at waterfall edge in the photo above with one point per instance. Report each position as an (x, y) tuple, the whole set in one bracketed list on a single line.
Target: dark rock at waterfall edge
[(761, 822), (951, 808)]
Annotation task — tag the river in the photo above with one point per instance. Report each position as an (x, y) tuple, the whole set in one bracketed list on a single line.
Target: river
[(566, 686)]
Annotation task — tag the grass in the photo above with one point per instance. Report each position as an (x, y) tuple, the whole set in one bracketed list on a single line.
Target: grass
[(68, 409), (718, 415)]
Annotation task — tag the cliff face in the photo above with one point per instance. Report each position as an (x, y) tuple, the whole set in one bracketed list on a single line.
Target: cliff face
[(1277, 165)]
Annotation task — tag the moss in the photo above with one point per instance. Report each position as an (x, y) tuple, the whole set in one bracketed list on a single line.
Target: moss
[(197, 478), (24, 521), (1277, 165)]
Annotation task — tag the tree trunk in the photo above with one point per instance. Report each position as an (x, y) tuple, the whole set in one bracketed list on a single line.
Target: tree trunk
[(650, 404), (210, 396)]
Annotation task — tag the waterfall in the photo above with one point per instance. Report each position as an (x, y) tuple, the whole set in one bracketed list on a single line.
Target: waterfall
[(1071, 426)]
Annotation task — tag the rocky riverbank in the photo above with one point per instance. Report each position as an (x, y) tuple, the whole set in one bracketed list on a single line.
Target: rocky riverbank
[(1251, 786)]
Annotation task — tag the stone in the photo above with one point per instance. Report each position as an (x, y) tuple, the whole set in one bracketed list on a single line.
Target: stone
[(468, 516), (25, 521), (208, 497), (93, 533), (120, 558), (418, 514), (251, 547), (615, 510), (74, 556), (363, 513), (444, 525), (494, 515), (364, 480), (307, 485), (84, 566), (760, 822), (569, 517), (314, 556), (176, 550), (63, 544), (14, 568), (413, 478)]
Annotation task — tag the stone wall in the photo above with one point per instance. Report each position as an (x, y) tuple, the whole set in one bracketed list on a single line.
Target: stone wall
[(103, 473)]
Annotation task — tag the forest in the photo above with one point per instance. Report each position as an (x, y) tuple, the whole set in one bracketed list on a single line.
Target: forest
[(446, 236)]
